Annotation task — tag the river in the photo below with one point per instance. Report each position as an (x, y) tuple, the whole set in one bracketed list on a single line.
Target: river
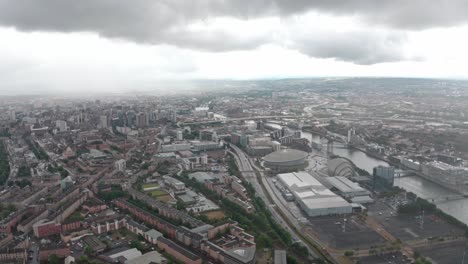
[(420, 186)]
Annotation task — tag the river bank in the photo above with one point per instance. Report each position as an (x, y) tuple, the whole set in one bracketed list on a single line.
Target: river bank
[(423, 188)]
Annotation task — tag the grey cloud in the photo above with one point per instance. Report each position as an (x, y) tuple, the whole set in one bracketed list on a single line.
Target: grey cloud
[(362, 47), (142, 18), (165, 22), (144, 21), (401, 14)]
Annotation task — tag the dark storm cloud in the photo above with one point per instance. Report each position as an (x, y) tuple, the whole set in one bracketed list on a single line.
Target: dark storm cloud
[(363, 47), (145, 21), (142, 18), (400, 14), (165, 21)]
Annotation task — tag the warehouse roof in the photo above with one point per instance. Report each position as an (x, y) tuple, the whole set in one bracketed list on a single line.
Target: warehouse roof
[(325, 202), (344, 185), (299, 180)]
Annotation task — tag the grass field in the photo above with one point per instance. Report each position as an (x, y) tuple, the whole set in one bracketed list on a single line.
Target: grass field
[(164, 198), (215, 214), (157, 193)]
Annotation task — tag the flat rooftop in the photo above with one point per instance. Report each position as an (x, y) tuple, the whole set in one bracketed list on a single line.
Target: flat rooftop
[(344, 185)]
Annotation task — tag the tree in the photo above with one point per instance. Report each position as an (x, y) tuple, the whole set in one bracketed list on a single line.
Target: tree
[(264, 241), (54, 259), (24, 171), (64, 173), (88, 250), (349, 253), (180, 205)]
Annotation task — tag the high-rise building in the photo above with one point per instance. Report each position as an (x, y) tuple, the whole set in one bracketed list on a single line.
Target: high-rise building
[(276, 145), (141, 120), (131, 118), (204, 159), (103, 121), (383, 176), (12, 115), (173, 116), (180, 135)]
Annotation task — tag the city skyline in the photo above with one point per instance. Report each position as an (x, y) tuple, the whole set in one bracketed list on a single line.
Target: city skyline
[(121, 45)]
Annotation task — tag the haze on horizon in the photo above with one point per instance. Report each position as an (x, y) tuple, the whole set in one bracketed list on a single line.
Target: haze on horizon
[(120, 45)]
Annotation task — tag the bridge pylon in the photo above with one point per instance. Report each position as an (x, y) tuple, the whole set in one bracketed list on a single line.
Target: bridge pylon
[(329, 148)]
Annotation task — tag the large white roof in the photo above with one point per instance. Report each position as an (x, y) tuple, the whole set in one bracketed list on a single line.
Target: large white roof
[(344, 185), (299, 180), (310, 191), (325, 202)]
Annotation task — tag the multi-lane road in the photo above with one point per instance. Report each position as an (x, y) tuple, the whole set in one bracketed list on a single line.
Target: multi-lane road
[(246, 165)]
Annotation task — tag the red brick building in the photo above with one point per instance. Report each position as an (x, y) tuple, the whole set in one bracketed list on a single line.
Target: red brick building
[(44, 229), (148, 218), (178, 252), (59, 250), (104, 225)]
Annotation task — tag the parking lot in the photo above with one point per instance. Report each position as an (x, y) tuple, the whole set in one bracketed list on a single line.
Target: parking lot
[(391, 258), (410, 226), (354, 234), (445, 253)]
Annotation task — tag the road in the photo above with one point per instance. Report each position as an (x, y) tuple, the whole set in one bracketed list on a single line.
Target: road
[(34, 254), (235, 119), (246, 168)]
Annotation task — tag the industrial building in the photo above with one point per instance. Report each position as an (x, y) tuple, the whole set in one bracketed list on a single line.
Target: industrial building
[(313, 198), (341, 167), (349, 190)]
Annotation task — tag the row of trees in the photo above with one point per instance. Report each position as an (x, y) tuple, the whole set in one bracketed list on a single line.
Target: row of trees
[(53, 169), (4, 164), (261, 223), (24, 171), (36, 149)]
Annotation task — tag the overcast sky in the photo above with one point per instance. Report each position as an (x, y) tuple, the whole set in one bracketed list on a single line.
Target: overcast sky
[(109, 45)]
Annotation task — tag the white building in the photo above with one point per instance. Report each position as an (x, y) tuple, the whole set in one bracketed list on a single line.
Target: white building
[(260, 141), (276, 146), (180, 135), (12, 115), (204, 159), (175, 147), (347, 188), (251, 125), (205, 145), (177, 185), (121, 165), (314, 198), (128, 254), (152, 257), (411, 164), (201, 111), (61, 125)]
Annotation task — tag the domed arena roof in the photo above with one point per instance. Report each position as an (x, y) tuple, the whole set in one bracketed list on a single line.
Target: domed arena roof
[(285, 155)]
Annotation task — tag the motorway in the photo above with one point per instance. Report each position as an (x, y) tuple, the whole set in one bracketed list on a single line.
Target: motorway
[(234, 119), (245, 167)]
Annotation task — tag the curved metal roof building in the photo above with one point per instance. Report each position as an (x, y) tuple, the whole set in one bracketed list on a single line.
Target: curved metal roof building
[(340, 167)]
